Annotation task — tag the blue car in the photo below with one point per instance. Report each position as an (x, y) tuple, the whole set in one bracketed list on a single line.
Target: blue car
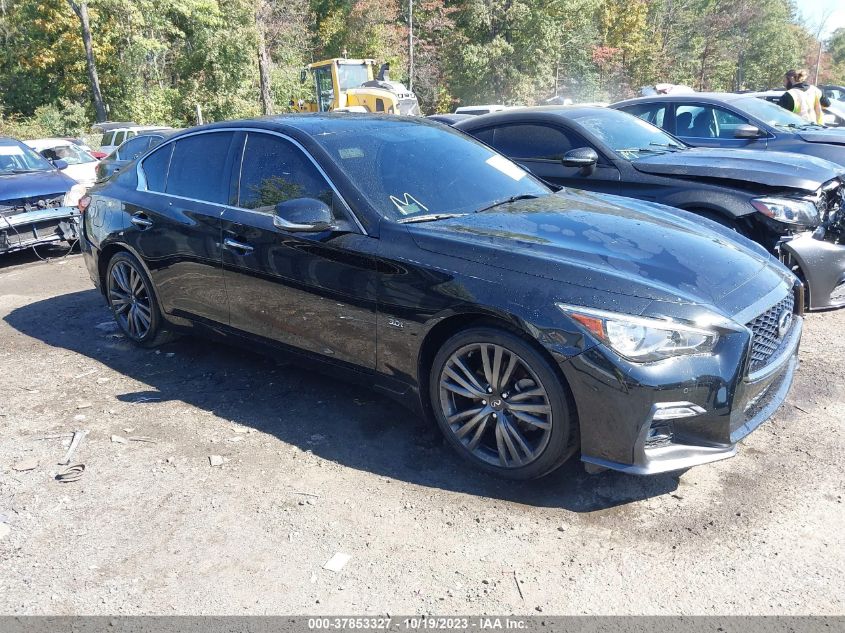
[(741, 121), (38, 203)]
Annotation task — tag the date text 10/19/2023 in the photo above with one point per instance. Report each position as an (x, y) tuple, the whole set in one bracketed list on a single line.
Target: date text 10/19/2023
[(417, 623)]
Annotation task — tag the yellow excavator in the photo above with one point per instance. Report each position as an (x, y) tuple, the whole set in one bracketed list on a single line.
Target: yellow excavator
[(350, 85)]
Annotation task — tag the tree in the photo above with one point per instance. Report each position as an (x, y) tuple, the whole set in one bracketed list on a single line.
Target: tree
[(80, 8)]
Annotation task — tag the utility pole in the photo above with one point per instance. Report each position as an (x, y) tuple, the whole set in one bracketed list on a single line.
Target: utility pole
[(822, 23), (411, 45)]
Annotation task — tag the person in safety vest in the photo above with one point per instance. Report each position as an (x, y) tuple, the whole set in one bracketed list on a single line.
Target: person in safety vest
[(802, 98)]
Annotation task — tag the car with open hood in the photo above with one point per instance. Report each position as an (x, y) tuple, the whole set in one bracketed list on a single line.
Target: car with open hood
[(400, 253), (37, 201), (790, 204)]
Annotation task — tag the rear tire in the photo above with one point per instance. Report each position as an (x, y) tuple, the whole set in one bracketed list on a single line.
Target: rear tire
[(500, 404), (133, 302)]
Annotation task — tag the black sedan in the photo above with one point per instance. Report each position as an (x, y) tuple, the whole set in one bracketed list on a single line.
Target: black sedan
[(129, 151), (401, 253), (792, 205)]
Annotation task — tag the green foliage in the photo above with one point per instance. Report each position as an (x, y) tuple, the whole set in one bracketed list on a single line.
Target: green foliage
[(158, 59)]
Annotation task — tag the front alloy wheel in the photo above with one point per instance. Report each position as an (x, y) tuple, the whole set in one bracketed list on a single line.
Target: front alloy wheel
[(132, 300), (500, 403)]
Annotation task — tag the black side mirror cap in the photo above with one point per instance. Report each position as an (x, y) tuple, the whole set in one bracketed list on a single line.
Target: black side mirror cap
[(584, 157), (303, 215), (748, 132)]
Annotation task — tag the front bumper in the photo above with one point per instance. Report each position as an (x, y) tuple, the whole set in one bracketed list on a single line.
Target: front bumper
[(43, 226), (822, 264), (668, 418)]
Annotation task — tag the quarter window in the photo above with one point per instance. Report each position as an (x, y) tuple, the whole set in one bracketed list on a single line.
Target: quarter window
[(198, 167), (273, 171), (134, 148), (155, 168), (118, 138), (654, 113), (108, 137)]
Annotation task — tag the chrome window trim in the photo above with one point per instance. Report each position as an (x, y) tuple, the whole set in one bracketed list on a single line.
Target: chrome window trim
[(142, 180)]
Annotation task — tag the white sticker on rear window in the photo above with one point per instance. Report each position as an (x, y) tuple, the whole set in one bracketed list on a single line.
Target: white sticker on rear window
[(351, 152), (505, 166), (10, 150)]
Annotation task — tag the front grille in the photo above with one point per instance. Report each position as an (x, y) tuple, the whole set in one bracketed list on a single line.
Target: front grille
[(764, 332), (33, 203)]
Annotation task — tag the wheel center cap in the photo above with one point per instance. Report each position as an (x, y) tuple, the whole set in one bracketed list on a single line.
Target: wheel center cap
[(497, 403)]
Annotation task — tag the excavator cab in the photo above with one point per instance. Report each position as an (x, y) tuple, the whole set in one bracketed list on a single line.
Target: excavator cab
[(342, 84)]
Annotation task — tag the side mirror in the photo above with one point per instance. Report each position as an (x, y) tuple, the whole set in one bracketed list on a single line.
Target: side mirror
[(303, 76), (748, 132), (59, 164), (584, 157), (303, 215)]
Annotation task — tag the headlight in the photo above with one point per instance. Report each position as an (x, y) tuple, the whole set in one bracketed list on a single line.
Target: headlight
[(73, 195), (788, 211), (642, 339)]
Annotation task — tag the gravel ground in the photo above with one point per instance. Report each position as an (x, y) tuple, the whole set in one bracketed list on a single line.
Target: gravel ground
[(313, 467)]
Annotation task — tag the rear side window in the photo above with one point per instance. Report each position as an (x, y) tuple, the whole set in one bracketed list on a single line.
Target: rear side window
[(134, 148), (107, 138), (654, 113), (155, 168), (275, 170), (198, 168), (118, 138), (541, 142)]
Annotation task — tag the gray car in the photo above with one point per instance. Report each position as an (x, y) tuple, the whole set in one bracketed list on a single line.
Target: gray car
[(739, 121)]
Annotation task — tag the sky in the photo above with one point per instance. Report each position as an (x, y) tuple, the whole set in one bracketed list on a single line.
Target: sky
[(814, 11)]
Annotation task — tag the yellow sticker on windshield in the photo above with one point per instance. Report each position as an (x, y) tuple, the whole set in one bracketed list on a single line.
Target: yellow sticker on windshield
[(506, 167)]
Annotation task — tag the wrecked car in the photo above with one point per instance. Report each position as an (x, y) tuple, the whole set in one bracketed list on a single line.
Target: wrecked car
[(790, 204), (401, 253), (37, 201)]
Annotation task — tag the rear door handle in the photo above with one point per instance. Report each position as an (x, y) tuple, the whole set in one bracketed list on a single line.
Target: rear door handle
[(141, 221), (235, 245)]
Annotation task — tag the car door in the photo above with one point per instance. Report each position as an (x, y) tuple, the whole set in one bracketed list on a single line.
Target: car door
[(309, 290), (705, 125), (540, 147), (175, 226)]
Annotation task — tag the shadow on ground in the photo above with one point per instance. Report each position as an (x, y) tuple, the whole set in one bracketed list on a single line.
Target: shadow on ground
[(362, 429)]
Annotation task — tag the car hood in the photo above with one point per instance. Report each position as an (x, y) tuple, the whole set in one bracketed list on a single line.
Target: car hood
[(831, 137), (773, 169), (33, 185), (608, 243)]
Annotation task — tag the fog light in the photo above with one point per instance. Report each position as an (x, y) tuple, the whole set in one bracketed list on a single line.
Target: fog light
[(677, 410), (659, 434)]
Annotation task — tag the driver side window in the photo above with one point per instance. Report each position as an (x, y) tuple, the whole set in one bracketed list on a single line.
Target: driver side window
[(274, 170), (534, 142)]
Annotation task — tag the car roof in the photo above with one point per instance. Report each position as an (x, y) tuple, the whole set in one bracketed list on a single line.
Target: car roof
[(537, 113), (8, 140), (713, 97), (316, 123)]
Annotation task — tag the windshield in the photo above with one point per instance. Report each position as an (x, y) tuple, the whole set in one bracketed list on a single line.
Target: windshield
[(627, 135), (71, 154), (351, 75), (18, 158), (407, 169), (770, 113)]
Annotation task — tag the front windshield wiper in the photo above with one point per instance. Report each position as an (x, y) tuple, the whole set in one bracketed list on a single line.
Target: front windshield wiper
[(21, 170), (429, 217), (498, 203), (639, 150), (670, 146)]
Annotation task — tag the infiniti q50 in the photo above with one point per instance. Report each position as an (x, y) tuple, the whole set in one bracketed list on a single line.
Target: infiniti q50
[(532, 325)]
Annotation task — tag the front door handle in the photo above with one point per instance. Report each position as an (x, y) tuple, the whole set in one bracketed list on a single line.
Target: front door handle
[(141, 221), (235, 245)]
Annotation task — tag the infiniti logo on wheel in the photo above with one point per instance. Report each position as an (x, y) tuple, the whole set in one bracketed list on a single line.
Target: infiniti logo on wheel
[(784, 321)]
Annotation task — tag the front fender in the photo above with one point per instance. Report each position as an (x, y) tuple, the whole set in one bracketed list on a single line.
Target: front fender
[(822, 266)]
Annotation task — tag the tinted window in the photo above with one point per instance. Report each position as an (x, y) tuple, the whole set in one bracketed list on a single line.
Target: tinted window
[(275, 170), (107, 138), (131, 150), (198, 167), (407, 168), (118, 138), (485, 136), (654, 113), (155, 168), (532, 141), (629, 136)]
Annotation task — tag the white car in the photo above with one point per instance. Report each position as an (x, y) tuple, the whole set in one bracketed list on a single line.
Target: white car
[(81, 166), (116, 136)]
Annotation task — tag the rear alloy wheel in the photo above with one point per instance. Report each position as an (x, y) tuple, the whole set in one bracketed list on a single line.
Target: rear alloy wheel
[(500, 404), (132, 301)]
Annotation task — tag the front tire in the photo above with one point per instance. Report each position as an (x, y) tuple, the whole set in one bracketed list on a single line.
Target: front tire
[(133, 303), (500, 404)]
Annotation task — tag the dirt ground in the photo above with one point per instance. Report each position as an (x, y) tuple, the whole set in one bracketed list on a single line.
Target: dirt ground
[(314, 467)]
